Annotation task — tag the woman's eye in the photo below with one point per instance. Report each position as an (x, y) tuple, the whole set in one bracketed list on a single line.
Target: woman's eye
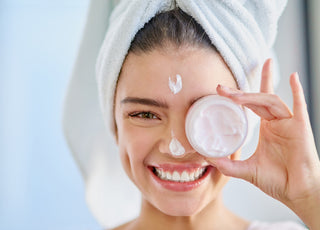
[(144, 115)]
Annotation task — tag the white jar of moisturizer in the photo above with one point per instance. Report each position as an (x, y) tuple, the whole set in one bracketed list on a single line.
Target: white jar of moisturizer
[(216, 126)]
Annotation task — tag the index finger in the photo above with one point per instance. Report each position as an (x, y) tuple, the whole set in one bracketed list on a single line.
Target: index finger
[(266, 85)]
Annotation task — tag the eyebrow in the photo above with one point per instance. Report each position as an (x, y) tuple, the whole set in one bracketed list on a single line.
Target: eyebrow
[(145, 101), (152, 102)]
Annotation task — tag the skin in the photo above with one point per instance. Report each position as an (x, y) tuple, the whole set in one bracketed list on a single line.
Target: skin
[(286, 149), (143, 140)]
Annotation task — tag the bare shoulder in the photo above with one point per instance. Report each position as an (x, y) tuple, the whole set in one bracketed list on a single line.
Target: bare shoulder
[(286, 225)]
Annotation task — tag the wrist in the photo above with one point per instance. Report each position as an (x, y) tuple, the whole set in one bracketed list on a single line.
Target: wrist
[(308, 209)]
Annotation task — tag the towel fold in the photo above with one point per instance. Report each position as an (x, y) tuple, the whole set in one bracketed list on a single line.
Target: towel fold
[(243, 31)]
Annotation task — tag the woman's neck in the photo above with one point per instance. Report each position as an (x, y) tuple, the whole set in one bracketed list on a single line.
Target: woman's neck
[(214, 216)]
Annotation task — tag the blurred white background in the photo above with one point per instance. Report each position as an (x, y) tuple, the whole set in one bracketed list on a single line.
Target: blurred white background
[(40, 185)]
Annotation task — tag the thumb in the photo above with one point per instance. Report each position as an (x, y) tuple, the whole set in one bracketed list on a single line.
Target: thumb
[(234, 168)]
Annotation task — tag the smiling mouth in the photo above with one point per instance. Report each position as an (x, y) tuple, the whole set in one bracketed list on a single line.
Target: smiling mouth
[(182, 177)]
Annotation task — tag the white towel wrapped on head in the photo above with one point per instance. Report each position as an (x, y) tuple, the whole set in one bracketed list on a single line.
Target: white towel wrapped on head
[(243, 31)]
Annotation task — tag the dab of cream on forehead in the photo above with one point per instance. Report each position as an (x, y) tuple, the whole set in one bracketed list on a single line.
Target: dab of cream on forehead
[(176, 148), (175, 85)]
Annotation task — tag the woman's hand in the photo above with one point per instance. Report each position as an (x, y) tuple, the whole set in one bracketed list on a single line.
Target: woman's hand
[(285, 164)]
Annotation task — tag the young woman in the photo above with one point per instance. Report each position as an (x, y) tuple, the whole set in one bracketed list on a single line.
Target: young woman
[(185, 191)]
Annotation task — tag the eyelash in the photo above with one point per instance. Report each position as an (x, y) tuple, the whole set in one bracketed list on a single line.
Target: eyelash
[(142, 115)]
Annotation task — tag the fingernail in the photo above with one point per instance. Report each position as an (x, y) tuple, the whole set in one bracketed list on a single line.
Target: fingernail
[(221, 86)]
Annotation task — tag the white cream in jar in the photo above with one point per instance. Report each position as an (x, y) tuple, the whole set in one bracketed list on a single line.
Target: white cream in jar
[(216, 126)]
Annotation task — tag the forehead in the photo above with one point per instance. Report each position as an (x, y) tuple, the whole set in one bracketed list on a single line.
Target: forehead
[(147, 74)]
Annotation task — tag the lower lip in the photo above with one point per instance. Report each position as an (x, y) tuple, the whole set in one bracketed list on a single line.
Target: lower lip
[(181, 186)]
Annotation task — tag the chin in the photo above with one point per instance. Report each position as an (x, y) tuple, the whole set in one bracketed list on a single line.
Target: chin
[(180, 206)]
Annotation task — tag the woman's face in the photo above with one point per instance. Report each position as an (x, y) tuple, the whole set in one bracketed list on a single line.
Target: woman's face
[(148, 114)]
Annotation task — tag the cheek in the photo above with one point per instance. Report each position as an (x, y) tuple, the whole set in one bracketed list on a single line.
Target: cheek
[(135, 145), (136, 142)]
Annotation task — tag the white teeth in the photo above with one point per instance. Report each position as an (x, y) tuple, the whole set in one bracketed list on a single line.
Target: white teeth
[(183, 177), (163, 175), (192, 176), (168, 176), (196, 175), (175, 176)]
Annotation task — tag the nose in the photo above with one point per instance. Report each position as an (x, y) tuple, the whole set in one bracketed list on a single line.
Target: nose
[(175, 141)]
